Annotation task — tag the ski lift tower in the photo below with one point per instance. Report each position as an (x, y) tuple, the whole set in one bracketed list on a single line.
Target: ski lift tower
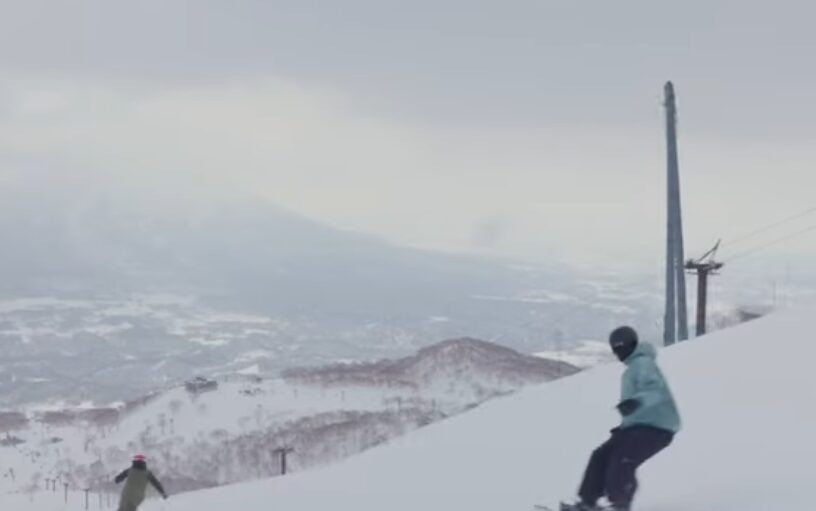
[(703, 267)]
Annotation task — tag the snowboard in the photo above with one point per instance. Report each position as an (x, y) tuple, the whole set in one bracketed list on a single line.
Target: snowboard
[(561, 507), (542, 507)]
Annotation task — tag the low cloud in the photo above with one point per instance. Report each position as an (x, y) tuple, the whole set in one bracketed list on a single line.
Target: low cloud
[(571, 191)]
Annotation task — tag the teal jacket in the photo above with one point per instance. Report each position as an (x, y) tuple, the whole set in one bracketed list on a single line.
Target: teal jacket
[(644, 382)]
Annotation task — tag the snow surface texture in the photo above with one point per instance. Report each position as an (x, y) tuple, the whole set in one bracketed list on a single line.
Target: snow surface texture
[(747, 396)]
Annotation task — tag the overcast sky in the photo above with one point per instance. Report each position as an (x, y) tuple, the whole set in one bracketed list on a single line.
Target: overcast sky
[(525, 128)]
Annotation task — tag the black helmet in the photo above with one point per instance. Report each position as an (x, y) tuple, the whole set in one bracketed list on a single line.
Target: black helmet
[(623, 342)]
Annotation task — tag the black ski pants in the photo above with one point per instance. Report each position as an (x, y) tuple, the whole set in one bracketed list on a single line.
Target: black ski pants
[(612, 466)]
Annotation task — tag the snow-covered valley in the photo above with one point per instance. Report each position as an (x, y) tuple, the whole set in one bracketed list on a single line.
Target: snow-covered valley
[(215, 432)]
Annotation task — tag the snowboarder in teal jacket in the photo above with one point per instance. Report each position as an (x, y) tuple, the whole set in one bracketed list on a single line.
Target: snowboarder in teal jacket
[(649, 422), (645, 395)]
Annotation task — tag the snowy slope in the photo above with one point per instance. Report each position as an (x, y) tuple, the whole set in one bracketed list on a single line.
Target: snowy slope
[(748, 398)]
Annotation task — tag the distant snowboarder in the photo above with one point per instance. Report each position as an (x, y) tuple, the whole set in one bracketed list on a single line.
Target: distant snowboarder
[(649, 422), (136, 478)]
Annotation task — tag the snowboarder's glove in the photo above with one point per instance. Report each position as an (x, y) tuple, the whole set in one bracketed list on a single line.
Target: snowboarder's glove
[(164, 496), (628, 407)]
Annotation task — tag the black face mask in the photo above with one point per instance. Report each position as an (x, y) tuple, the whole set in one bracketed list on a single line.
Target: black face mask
[(624, 350), (623, 341)]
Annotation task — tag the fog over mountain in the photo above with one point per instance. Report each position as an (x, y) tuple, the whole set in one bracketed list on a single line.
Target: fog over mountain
[(111, 292)]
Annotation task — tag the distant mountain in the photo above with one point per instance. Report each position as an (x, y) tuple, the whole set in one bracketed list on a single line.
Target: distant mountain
[(475, 367), (233, 248), (583, 355)]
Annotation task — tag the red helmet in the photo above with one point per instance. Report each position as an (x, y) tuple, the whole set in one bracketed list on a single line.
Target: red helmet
[(139, 457)]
